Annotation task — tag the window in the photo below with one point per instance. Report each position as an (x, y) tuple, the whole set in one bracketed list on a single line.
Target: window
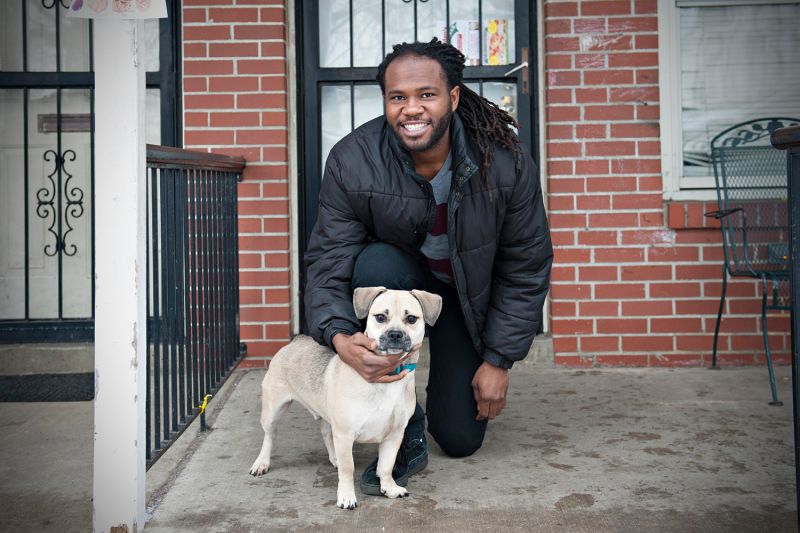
[(722, 62)]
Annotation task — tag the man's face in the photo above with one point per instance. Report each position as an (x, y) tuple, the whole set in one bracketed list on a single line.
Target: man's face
[(417, 103)]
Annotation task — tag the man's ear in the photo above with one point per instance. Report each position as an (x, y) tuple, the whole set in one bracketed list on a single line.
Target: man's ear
[(363, 298), (431, 305), (455, 95)]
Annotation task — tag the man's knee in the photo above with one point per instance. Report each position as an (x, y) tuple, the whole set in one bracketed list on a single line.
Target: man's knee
[(381, 264), (458, 443)]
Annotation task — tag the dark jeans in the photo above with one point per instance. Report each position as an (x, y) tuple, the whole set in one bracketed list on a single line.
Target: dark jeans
[(451, 407)]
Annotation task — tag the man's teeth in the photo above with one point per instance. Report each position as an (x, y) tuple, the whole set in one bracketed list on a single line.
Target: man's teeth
[(413, 127)]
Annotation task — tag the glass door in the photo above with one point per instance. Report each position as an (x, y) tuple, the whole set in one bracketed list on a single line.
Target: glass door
[(47, 162), (343, 42)]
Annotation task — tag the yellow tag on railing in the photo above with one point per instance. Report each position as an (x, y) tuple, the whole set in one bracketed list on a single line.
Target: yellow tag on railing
[(204, 404)]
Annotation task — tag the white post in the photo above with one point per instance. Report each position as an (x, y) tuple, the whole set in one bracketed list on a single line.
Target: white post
[(120, 342)]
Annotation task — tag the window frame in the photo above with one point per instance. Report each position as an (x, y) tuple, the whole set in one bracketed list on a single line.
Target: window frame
[(675, 186)]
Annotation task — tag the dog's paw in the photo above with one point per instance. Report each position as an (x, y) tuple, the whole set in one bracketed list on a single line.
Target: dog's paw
[(346, 499), (394, 492), (259, 468)]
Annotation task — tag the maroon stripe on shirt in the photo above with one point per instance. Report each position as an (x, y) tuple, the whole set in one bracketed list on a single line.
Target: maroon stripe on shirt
[(440, 226), (441, 265)]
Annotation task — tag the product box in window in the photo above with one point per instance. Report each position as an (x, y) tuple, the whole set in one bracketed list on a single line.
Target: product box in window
[(464, 35), (497, 42)]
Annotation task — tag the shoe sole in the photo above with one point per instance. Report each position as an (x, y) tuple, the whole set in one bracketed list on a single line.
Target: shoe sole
[(375, 490)]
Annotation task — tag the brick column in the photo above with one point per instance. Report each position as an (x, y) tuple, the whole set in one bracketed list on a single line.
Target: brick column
[(236, 103)]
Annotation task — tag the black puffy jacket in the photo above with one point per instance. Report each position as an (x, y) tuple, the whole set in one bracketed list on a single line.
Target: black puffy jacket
[(500, 245)]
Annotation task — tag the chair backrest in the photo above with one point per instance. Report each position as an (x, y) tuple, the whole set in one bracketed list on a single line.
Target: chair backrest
[(752, 185)]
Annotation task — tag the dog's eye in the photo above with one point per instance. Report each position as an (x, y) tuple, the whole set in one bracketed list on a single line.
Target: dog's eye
[(380, 318), (411, 319)]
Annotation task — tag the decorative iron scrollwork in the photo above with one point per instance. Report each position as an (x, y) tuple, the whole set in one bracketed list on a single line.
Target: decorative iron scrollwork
[(46, 199), (755, 131), (52, 3), (74, 205)]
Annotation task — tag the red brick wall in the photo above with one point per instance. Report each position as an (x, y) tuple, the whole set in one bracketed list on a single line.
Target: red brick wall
[(636, 282), (235, 102)]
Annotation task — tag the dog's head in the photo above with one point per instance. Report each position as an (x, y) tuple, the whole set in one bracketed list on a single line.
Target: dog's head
[(396, 319)]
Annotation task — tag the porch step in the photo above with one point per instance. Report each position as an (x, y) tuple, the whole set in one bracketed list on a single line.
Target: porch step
[(21, 359)]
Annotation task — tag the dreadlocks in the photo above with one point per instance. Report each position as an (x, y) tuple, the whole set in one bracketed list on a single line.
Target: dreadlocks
[(486, 123)]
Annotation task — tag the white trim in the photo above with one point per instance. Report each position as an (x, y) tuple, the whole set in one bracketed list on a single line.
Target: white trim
[(669, 81), (693, 195), (294, 201), (120, 342)]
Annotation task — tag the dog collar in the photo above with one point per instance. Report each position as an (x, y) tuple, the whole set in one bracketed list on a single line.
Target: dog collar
[(410, 367)]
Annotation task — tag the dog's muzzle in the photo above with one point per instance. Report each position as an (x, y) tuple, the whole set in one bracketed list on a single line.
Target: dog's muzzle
[(394, 341)]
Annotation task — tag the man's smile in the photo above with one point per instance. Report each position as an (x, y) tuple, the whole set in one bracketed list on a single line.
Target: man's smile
[(415, 128)]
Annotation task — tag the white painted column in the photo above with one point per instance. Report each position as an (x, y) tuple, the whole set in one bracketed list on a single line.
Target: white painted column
[(120, 343)]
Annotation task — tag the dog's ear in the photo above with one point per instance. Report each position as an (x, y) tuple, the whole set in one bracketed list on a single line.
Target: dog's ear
[(431, 305), (363, 298)]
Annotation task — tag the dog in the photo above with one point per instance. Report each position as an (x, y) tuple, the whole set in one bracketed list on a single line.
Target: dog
[(351, 408)]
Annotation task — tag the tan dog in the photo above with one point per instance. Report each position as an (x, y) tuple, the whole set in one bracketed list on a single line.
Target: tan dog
[(351, 408)]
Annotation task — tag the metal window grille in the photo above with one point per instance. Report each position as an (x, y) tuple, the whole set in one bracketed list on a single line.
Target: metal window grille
[(47, 88)]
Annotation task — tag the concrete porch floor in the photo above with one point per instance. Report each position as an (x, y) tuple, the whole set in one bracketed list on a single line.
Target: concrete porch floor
[(673, 450)]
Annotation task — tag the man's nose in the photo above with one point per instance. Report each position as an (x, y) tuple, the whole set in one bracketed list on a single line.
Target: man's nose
[(413, 107)]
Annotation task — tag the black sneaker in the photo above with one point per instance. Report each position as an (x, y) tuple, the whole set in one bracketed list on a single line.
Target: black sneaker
[(412, 457)]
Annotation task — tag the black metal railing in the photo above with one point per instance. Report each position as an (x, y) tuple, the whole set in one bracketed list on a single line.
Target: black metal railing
[(193, 286)]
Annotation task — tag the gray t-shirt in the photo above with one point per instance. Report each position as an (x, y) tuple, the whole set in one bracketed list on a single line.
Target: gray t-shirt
[(435, 247)]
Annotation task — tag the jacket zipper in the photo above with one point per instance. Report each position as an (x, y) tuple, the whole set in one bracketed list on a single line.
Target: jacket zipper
[(453, 203)]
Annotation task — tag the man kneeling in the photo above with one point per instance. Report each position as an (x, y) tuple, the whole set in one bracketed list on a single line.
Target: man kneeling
[(437, 194)]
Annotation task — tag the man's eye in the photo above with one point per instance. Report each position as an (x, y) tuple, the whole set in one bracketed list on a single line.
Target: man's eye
[(411, 319), (427, 95), (396, 98), (380, 319)]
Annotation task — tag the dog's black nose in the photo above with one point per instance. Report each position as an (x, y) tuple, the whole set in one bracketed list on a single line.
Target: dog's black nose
[(394, 335)]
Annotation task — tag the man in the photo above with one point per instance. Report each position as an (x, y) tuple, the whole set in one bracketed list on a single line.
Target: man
[(438, 194)]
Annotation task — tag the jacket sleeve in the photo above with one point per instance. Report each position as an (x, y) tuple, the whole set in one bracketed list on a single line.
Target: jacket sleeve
[(521, 275), (337, 238)]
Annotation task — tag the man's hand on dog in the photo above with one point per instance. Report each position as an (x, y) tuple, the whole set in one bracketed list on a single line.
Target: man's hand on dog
[(490, 386), (358, 351)]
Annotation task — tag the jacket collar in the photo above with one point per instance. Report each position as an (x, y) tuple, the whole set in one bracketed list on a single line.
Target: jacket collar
[(464, 158), (463, 152)]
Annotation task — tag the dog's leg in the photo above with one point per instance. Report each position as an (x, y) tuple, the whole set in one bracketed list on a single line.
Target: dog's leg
[(346, 492), (327, 436), (275, 398), (387, 453)]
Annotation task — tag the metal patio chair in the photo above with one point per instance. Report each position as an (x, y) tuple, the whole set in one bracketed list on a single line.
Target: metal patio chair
[(752, 186)]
